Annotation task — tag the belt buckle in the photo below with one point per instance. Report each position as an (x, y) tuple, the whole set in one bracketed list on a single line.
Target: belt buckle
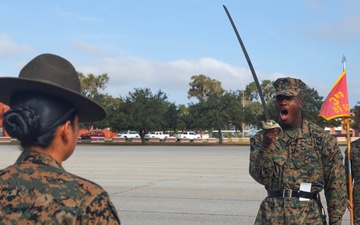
[(287, 193)]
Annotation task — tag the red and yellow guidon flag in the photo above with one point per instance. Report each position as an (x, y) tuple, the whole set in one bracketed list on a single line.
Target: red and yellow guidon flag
[(337, 102)]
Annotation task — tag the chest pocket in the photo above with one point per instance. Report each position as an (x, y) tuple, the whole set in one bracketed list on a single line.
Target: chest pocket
[(307, 162), (304, 156)]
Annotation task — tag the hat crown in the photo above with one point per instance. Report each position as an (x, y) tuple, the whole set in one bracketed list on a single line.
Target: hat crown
[(54, 75), (54, 70), (289, 86)]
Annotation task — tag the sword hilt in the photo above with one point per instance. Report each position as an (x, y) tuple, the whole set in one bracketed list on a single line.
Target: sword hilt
[(271, 124)]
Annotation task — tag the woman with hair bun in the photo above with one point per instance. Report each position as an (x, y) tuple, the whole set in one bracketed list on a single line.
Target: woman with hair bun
[(46, 106)]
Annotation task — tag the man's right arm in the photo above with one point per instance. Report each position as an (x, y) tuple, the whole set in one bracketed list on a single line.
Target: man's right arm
[(264, 162)]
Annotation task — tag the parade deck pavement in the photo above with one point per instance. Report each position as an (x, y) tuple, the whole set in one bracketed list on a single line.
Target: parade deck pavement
[(170, 185)]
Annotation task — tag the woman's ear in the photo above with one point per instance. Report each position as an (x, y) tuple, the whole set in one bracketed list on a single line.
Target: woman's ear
[(65, 130)]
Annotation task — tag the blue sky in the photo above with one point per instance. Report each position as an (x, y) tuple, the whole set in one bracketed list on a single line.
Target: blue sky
[(160, 44)]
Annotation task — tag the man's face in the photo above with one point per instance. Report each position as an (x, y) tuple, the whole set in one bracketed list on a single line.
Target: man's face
[(288, 110)]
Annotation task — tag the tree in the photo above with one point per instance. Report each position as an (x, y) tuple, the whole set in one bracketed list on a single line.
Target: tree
[(114, 116), (92, 87), (237, 110), (268, 90), (202, 87), (171, 116), (212, 111), (182, 117), (252, 93), (253, 111), (232, 112), (254, 114), (143, 111), (197, 116), (217, 112)]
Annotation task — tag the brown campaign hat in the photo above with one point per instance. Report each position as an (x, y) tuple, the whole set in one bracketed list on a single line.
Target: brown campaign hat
[(52, 74), (289, 86)]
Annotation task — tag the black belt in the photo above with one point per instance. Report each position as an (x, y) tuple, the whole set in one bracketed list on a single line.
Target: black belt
[(288, 193)]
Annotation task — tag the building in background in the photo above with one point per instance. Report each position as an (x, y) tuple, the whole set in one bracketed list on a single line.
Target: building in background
[(3, 109)]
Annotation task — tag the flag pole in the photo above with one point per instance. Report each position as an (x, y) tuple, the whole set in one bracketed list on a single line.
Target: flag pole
[(350, 179), (348, 140)]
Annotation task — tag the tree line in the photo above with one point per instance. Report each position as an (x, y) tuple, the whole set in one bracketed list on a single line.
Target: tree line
[(215, 109)]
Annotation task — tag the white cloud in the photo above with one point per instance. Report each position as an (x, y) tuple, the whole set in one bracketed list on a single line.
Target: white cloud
[(87, 48), (9, 47), (173, 78), (127, 73)]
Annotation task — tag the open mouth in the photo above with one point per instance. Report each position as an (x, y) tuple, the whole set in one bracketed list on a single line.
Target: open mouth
[(284, 114)]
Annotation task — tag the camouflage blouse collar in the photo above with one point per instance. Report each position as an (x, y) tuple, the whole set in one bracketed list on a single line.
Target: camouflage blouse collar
[(38, 158), (305, 129), (302, 132)]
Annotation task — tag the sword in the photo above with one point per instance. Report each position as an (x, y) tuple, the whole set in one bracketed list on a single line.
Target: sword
[(268, 124)]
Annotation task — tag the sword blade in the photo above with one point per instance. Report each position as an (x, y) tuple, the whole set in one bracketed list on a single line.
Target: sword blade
[(266, 112)]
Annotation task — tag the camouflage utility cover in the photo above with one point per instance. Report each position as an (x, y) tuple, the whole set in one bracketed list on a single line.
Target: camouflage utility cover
[(310, 155), (355, 172), (37, 190), (289, 86)]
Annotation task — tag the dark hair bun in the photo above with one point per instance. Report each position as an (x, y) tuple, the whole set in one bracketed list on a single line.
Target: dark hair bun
[(22, 122)]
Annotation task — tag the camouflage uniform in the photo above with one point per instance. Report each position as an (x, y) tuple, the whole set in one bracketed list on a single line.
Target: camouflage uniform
[(355, 172), (37, 190), (309, 156)]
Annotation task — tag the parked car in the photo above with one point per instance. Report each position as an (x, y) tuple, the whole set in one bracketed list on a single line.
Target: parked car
[(188, 134), (92, 133), (129, 134), (156, 134)]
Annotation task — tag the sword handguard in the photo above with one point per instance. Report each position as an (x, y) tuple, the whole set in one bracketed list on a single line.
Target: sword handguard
[(271, 124)]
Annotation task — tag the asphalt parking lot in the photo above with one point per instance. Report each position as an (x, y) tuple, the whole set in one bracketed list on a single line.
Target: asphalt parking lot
[(169, 185)]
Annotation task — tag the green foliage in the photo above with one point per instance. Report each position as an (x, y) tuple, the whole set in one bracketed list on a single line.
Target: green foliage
[(252, 93), (183, 118), (171, 116), (236, 109), (217, 109), (111, 106), (144, 111), (217, 112), (202, 87), (254, 114), (91, 87)]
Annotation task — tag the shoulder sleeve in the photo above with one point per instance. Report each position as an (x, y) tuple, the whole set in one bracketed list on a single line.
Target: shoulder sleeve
[(101, 211)]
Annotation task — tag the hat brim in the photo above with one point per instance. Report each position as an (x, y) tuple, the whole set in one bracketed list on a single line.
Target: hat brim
[(287, 93), (88, 110)]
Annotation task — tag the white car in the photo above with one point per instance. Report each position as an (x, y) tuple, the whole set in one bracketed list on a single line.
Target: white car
[(188, 134), (156, 134), (129, 134)]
